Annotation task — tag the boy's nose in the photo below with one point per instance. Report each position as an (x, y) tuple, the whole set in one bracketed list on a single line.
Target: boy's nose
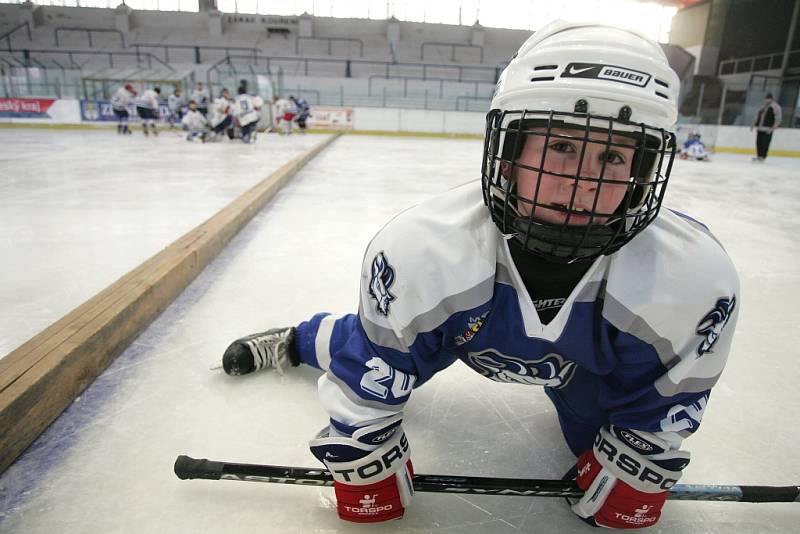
[(591, 167)]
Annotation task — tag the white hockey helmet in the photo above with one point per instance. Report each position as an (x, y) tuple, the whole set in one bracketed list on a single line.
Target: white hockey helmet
[(564, 63), (589, 77)]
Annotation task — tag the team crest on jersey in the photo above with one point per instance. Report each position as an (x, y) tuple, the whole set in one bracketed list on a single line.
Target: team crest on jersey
[(710, 326), (382, 280), (552, 370), (474, 324)]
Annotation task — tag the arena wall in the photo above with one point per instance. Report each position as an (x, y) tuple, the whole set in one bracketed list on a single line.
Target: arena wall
[(730, 139), (740, 140)]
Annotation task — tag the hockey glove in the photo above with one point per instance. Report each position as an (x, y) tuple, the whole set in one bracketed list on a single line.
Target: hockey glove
[(371, 470), (625, 478)]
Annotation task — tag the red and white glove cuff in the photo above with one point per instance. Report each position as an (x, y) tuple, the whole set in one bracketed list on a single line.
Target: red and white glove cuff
[(382, 501), (609, 502), (371, 469), (625, 478)]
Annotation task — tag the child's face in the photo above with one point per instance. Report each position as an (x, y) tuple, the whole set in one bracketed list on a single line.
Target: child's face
[(192, 106), (555, 193)]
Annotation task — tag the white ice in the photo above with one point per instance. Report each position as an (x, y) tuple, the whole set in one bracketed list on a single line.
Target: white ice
[(106, 464), (79, 210)]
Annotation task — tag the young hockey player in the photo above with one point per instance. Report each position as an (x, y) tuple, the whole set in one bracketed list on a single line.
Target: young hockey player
[(220, 116), (147, 109), (284, 112), (194, 123), (248, 113), (303, 111), (119, 104), (201, 96), (694, 148), (560, 269), (175, 105)]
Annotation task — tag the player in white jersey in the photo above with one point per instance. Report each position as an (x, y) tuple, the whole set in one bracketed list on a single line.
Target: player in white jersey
[(201, 96), (303, 111), (247, 109), (694, 148), (175, 105), (119, 104), (147, 109), (220, 116), (194, 123), (283, 113), (560, 269)]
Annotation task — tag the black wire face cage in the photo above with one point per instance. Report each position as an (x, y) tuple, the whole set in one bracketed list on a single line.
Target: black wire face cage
[(527, 219)]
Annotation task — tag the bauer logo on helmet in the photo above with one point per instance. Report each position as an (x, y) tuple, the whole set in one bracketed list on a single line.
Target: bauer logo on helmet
[(606, 72)]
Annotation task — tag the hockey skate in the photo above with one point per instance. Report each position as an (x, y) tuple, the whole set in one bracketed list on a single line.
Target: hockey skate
[(273, 349)]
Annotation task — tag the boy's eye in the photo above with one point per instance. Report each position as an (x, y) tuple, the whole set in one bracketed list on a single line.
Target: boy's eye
[(563, 147), (613, 157)]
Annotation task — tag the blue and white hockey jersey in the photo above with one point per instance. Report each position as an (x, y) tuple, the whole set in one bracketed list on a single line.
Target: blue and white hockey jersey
[(639, 342), (694, 148)]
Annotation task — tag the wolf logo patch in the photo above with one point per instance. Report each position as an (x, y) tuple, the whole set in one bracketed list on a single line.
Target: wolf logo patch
[(382, 279), (710, 326), (552, 370)]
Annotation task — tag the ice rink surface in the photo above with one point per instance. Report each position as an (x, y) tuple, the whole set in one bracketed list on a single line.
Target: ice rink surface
[(78, 210)]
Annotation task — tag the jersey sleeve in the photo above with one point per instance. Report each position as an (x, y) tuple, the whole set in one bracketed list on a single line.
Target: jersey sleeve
[(671, 351), (415, 286), (373, 359)]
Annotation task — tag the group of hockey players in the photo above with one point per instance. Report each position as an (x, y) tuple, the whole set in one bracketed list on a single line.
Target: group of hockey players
[(207, 120), (146, 107), (224, 116)]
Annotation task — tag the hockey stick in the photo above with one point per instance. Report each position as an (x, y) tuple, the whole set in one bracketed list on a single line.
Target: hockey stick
[(191, 468)]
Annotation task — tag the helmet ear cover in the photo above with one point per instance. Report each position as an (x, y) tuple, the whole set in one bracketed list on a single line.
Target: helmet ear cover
[(566, 243)]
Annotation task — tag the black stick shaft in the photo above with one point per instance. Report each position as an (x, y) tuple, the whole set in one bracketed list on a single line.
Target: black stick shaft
[(191, 468)]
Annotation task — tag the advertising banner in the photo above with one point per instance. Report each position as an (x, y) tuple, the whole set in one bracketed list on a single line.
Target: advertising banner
[(331, 117), (25, 108)]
